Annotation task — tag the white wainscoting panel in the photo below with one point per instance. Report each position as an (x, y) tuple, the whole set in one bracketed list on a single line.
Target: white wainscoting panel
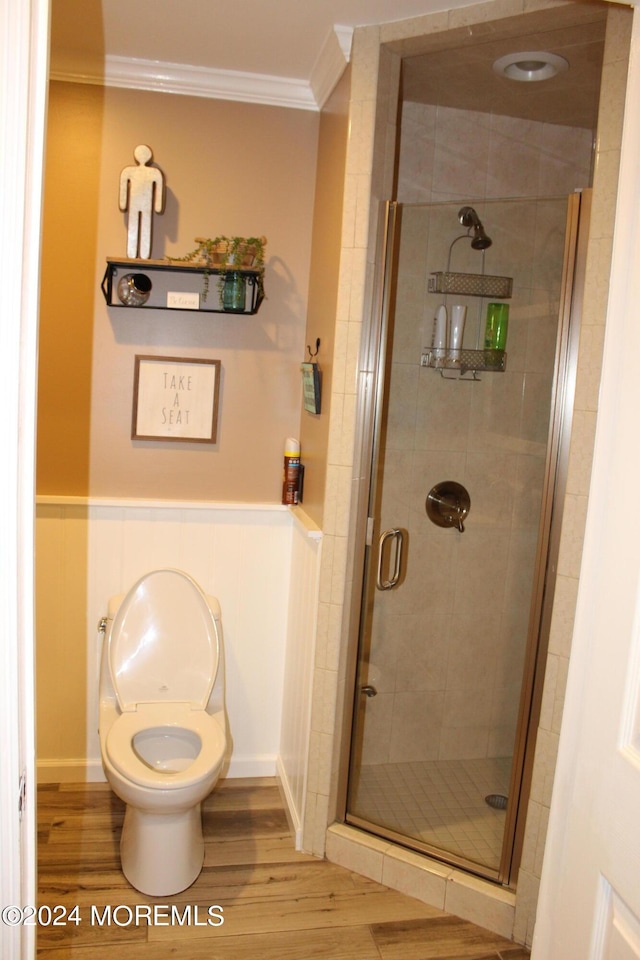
[(306, 548), (240, 553)]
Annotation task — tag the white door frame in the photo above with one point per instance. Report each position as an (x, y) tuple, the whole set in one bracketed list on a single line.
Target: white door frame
[(24, 57)]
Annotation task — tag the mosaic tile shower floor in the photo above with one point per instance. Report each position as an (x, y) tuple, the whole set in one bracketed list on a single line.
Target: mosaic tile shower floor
[(441, 802)]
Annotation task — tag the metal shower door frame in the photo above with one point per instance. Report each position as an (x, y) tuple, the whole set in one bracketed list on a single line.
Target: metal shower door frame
[(371, 396), (372, 399), (546, 565)]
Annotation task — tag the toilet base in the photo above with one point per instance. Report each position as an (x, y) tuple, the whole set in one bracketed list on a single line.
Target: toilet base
[(161, 854)]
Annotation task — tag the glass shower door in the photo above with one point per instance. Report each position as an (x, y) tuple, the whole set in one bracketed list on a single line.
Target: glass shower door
[(447, 604)]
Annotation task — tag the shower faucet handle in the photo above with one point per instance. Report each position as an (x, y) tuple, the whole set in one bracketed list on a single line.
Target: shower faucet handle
[(448, 504)]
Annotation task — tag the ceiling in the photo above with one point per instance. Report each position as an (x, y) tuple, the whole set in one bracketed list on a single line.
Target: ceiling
[(458, 70), (284, 40), (270, 37)]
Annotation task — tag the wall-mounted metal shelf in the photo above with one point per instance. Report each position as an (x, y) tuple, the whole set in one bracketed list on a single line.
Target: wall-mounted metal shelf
[(469, 361), (471, 285), (182, 286)]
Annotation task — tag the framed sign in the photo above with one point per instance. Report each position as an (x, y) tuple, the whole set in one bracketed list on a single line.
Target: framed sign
[(175, 398), (311, 387)]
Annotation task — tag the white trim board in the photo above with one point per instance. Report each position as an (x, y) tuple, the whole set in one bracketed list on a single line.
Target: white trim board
[(196, 81), (83, 770)]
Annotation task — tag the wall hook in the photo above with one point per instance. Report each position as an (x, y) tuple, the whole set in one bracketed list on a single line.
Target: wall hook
[(312, 355)]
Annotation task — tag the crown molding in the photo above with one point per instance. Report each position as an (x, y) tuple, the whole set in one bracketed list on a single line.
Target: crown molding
[(332, 59), (162, 77)]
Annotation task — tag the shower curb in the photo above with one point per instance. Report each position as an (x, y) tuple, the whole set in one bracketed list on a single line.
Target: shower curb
[(416, 875)]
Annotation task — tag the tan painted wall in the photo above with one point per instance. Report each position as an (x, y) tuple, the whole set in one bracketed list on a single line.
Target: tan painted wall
[(62, 632), (322, 322), (230, 168), (69, 253)]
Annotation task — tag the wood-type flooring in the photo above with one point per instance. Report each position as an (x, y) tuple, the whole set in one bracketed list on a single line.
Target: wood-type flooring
[(275, 903)]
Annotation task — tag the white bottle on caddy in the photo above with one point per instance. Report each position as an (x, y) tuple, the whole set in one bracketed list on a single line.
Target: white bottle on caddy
[(458, 318), (440, 335)]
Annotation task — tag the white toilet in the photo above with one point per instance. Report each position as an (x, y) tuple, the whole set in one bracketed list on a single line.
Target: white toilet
[(163, 726)]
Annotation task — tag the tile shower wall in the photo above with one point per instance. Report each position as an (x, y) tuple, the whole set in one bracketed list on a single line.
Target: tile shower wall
[(375, 85), (456, 628), (448, 154), (447, 647)]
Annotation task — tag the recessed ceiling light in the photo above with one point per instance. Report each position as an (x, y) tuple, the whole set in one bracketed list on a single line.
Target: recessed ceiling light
[(530, 65)]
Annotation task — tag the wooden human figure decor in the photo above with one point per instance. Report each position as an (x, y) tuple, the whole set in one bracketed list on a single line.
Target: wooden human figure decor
[(141, 193)]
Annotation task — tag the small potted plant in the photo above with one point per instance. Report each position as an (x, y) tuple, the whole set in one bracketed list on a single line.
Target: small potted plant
[(229, 256)]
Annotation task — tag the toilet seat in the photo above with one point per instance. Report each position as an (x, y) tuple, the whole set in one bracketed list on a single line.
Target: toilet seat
[(179, 716)]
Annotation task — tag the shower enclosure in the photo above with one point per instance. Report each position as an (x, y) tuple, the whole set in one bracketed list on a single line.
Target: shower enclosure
[(468, 456)]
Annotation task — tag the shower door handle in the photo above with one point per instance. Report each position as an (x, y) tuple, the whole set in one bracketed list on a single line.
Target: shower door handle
[(389, 535)]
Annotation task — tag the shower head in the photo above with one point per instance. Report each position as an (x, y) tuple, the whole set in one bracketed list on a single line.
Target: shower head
[(469, 218), (480, 241)]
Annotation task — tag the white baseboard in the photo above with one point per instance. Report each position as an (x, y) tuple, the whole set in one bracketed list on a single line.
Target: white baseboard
[(294, 815), (90, 771), (70, 771), (260, 766)]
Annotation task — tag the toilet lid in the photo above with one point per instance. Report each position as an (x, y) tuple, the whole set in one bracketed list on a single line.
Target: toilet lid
[(164, 643)]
